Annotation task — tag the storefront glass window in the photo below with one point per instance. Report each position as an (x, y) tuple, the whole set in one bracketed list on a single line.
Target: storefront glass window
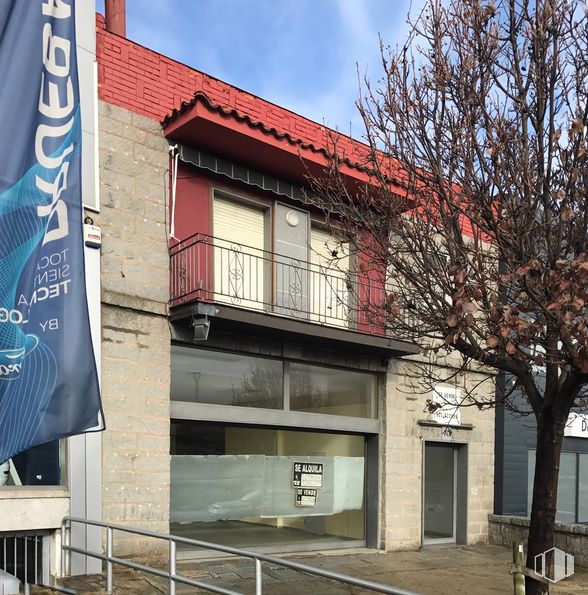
[(566, 488), (583, 489), (248, 486), (568, 508), (201, 376), (41, 465), (220, 378), (317, 389)]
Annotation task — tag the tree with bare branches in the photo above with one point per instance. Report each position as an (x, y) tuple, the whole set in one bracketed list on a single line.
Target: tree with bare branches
[(478, 207)]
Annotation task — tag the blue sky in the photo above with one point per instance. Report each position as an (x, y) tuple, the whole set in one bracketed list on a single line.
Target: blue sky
[(300, 54)]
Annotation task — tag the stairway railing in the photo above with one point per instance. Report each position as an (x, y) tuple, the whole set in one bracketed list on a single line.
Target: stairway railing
[(171, 574)]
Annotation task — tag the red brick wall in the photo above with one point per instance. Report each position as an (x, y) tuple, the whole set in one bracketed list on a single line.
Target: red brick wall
[(192, 202), (145, 82)]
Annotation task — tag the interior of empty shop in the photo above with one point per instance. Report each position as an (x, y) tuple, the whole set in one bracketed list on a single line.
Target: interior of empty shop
[(264, 452)]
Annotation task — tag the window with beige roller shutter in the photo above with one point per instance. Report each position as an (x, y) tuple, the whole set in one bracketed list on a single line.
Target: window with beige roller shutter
[(239, 255)]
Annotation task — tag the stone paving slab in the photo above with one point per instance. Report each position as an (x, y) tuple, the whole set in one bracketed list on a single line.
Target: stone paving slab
[(436, 571)]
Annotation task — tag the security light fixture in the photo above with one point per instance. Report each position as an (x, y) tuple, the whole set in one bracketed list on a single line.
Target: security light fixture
[(201, 328), (200, 322)]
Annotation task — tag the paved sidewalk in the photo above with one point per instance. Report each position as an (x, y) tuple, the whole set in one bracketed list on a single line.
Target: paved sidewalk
[(482, 570)]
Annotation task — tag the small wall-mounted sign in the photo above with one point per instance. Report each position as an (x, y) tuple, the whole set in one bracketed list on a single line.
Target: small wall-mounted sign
[(577, 425), (92, 236), (306, 496), (307, 475), (448, 398)]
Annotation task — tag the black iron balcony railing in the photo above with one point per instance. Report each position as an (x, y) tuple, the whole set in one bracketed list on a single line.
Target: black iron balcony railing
[(205, 268)]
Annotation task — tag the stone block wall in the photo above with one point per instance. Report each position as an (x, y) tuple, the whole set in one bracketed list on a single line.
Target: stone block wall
[(402, 473), (135, 330), (571, 538)]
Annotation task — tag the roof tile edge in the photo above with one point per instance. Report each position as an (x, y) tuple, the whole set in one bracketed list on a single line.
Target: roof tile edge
[(154, 85)]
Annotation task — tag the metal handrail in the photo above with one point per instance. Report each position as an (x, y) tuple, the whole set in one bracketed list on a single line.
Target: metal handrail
[(171, 573), (208, 268)]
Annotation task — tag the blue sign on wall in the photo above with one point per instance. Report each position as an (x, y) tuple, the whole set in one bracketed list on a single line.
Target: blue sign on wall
[(48, 380)]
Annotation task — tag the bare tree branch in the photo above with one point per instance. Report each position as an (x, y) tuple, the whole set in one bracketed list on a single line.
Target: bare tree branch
[(477, 210)]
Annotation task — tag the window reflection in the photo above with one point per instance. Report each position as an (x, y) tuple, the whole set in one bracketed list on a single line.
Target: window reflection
[(583, 489), (569, 509), (201, 376), (40, 465), (336, 392)]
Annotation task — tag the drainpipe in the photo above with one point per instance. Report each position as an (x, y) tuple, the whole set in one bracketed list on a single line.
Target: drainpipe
[(115, 17)]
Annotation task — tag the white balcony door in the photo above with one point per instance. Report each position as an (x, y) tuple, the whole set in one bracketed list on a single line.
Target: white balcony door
[(239, 263), (291, 232), (329, 277)]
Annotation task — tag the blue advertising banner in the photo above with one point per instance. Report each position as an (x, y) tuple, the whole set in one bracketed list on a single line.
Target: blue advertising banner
[(48, 380)]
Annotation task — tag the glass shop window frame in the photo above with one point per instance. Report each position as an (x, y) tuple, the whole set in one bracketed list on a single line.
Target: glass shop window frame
[(332, 399), (579, 495), (11, 468), (258, 376), (372, 378)]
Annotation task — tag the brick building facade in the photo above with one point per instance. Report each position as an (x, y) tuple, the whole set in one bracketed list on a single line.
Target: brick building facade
[(139, 89), (276, 383)]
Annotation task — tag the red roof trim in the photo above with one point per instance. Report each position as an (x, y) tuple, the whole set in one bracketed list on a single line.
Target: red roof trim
[(145, 82), (189, 106)]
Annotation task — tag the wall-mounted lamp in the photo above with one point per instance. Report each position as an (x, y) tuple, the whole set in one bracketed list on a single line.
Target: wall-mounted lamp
[(200, 323), (201, 328), (292, 218)]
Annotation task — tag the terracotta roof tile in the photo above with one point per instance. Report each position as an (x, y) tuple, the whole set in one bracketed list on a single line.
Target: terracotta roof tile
[(186, 106)]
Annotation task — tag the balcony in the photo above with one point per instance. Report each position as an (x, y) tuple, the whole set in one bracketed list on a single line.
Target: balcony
[(208, 269)]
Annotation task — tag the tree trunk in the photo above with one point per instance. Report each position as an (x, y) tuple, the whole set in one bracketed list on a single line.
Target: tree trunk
[(550, 434)]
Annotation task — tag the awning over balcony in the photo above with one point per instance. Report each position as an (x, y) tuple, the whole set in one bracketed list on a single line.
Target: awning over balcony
[(240, 173)]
